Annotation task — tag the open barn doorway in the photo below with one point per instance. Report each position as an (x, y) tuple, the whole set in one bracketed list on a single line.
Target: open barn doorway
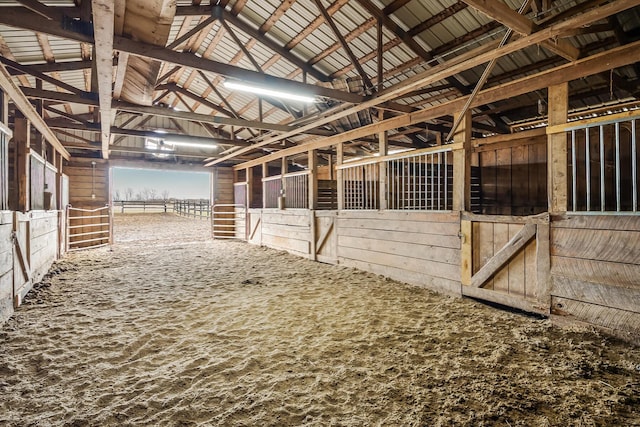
[(157, 192)]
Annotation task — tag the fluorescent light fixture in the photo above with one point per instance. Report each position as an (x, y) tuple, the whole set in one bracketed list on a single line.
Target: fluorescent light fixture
[(267, 92), (190, 144), (160, 131)]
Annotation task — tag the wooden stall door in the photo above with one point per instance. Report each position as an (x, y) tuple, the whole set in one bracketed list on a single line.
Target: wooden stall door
[(325, 237), (506, 260), (21, 257)]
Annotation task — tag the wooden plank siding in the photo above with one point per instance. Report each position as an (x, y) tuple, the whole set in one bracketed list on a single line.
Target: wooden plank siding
[(287, 230), (6, 265), (37, 235), (513, 178), (595, 270), (418, 248), (85, 181)]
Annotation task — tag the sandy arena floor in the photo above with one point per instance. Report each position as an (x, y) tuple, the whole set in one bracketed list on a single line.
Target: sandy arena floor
[(169, 328)]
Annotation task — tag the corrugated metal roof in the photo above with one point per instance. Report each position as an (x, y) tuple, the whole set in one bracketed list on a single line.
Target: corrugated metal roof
[(399, 61)]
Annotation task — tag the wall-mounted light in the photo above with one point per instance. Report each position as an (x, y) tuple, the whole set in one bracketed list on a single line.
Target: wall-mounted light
[(243, 87)]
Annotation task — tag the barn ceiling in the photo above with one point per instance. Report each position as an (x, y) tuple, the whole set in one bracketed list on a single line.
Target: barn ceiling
[(131, 78)]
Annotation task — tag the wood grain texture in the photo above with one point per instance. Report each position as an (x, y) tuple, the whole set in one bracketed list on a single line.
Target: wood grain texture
[(606, 272), (612, 318), (602, 245), (514, 245), (597, 293), (504, 299), (597, 222), (439, 284)]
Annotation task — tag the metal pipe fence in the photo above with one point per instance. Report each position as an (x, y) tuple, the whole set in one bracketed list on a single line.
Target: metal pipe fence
[(294, 187), (417, 180), (420, 181), (603, 166), (192, 208), (88, 228)]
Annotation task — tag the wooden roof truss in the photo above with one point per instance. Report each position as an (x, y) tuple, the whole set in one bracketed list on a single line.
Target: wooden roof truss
[(413, 59)]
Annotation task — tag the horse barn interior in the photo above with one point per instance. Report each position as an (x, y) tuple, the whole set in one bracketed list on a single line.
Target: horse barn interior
[(478, 149)]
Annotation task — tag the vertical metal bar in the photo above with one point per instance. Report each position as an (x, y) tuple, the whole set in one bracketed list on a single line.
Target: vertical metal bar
[(574, 169), (617, 166), (368, 182), (395, 184), (446, 180), (439, 178), (389, 172), (634, 166), (587, 161), (413, 182), (602, 195), (422, 195), (431, 184), (402, 180)]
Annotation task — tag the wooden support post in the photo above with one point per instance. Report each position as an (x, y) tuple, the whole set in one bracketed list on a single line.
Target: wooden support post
[(248, 187), (283, 184), (4, 108), (313, 179), (313, 202), (462, 166), (340, 183), (383, 147), (22, 138), (557, 149), (265, 173), (466, 254), (213, 182)]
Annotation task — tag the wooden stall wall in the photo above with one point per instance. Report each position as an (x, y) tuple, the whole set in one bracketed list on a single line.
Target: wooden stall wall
[(421, 248), (88, 186), (43, 185), (27, 258), (6, 265), (287, 230), (595, 270), (513, 178)]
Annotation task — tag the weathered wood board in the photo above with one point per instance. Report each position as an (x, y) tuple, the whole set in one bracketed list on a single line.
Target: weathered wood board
[(595, 270)]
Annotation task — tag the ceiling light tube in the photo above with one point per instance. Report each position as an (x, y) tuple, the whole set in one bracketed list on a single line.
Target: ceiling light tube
[(190, 144), (267, 92)]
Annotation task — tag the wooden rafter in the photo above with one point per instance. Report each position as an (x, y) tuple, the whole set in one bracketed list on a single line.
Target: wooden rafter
[(437, 18), (616, 58), (452, 67), (335, 6), (192, 61), (42, 76), (23, 104), (502, 13), (195, 30), (364, 27), (38, 24), (266, 41), (91, 127), (47, 12), (277, 14), (345, 46)]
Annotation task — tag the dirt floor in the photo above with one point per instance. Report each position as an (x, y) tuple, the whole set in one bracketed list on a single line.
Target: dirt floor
[(170, 328)]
